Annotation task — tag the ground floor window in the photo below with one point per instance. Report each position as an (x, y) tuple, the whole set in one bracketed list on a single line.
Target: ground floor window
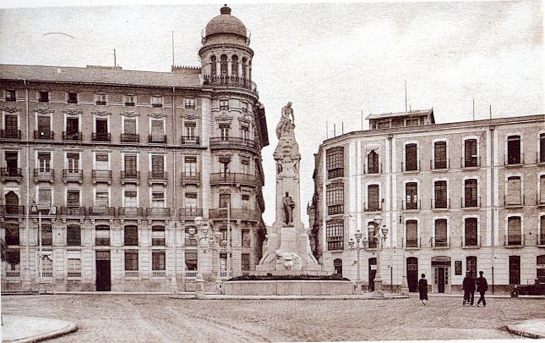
[(131, 260), (245, 261), (191, 260), (540, 263), (335, 235), (471, 265), (74, 267), (158, 260)]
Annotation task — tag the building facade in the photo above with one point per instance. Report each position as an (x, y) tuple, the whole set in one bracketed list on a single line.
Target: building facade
[(456, 197), (128, 180)]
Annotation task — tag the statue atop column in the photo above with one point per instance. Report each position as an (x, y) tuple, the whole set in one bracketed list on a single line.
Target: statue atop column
[(287, 121)]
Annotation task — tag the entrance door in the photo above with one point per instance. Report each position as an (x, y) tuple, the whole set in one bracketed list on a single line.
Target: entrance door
[(103, 274), (514, 270), (338, 266), (440, 274), (372, 273), (412, 274)]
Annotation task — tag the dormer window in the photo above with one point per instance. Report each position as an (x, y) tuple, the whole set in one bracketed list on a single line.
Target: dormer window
[(43, 96), (72, 98), (156, 101), (130, 100), (10, 95), (100, 99)]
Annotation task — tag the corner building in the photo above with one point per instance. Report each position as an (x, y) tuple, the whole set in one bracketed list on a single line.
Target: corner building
[(455, 197), (116, 165)]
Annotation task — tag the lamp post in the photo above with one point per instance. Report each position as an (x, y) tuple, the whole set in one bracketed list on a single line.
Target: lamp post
[(203, 235), (356, 245), (174, 282), (379, 233), (34, 209)]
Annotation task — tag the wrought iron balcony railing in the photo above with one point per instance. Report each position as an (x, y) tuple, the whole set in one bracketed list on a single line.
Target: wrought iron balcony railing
[(230, 81), (72, 175)]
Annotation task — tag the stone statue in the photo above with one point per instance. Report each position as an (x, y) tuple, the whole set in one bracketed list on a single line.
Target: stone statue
[(287, 120), (288, 204)]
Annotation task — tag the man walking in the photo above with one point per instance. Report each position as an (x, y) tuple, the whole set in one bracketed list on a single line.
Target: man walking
[(482, 287), (468, 286), (423, 289)]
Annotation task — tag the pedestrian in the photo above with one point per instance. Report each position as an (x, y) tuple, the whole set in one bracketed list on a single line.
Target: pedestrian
[(468, 285), (482, 287), (423, 289)]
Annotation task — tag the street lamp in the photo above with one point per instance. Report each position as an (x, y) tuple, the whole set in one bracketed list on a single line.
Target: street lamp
[(203, 235), (34, 209), (356, 245), (379, 233)]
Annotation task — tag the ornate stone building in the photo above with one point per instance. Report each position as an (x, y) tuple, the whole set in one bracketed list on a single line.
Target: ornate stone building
[(455, 197), (119, 166)]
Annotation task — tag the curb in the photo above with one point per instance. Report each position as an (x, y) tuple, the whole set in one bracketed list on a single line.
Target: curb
[(282, 297), (71, 327), (523, 330)]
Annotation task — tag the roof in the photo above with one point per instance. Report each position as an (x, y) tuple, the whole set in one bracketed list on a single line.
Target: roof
[(400, 114), (225, 23), (101, 75)]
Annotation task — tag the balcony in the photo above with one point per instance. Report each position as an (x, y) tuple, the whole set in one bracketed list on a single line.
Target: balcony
[(191, 140), (73, 136), (157, 138), (102, 176), (473, 162), (11, 174), (440, 204), (130, 177), (413, 243), (234, 179), (372, 169), (514, 202), (439, 165), (193, 179), (158, 212), (235, 214), (10, 134), (440, 243), (189, 213), (44, 175), (157, 177), (234, 143), (229, 81), (130, 137), (410, 167), (470, 242), (44, 135), (72, 175), (130, 212), (100, 211), (411, 205), (101, 137), (514, 160), (76, 212), (374, 206), (513, 241), (11, 210), (469, 203)]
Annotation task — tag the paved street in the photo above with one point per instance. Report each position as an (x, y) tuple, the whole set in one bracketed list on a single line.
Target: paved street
[(158, 318)]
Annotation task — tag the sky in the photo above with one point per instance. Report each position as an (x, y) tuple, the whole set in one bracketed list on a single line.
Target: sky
[(335, 62)]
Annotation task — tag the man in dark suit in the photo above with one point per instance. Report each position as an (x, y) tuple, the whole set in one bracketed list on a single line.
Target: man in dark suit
[(468, 286)]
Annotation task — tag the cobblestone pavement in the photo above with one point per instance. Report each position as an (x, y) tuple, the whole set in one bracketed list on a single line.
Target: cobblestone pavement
[(158, 318)]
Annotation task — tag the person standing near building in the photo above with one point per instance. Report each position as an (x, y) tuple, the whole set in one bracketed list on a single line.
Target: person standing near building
[(468, 286), (482, 287), (423, 289)]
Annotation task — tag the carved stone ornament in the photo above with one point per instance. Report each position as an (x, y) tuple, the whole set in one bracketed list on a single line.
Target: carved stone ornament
[(72, 111), (11, 109), (130, 114), (246, 119), (190, 116), (224, 117), (101, 113), (43, 110), (156, 115)]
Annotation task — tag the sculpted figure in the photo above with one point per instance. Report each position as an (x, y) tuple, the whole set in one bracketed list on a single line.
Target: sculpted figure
[(288, 204), (287, 120)]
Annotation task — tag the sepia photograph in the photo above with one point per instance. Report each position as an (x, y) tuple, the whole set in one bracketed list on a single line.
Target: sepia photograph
[(174, 171)]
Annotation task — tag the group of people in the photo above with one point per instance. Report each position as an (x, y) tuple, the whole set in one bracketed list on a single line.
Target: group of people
[(469, 285)]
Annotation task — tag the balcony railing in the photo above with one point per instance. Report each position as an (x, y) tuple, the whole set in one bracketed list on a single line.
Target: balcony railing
[(99, 211), (438, 204), (73, 136), (158, 212), (44, 135), (132, 176), (439, 164), (73, 211), (514, 240), (229, 81), (474, 162), (44, 175), (130, 137), (372, 169), (13, 274), (158, 273), (470, 242), (190, 273), (237, 179), (514, 202), (130, 211), (372, 207), (440, 242), (11, 174), (186, 213), (514, 160), (410, 167), (101, 136), (411, 205), (72, 175), (102, 176), (157, 138), (413, 243), (235, 214), (233, 143), (157, 177), (10, 134), (191, 140), (192, 179), (12, 210), (470, 202)]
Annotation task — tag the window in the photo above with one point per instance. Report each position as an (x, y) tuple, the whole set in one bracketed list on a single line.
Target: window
[(158, 261), (129, 130), (470, 232), (245, 133), (190, 132), (470, 192), (514, 270), (245, 166), (102, 233), (72, 98), (411, 157), (244, 64), (130, 100), (43, 96), (246, 239), (12, 165), (223, 65), (224, 132), (13, 258), (541, 198), (245, 202), (335, 198), (411, 196), (72, 160), (44, 128), (471, 265), (74, 267), (44, 162), (72, 129), (156, 101), (12, 233), (190, 240), (542, 230), (131, 199), (441, 233), (158, 166), (514, 231), (234, 66), (412, 121), (412, 234), (245, 264), (191, 260), (514, 191), (44, 198), (47, 266), (440, 191), (373, 198), (335, 235), (190, 201), (371, 235), (190, 166), (542, 147), (101, 130), (131, 169), (225, 201), (335, 162), (73, 235), (540, 272), (157, 131), (189, 103), (100, 99), (513, 150), (440, 155), (102, 199), (158, 199), (471, 156), (131, 235), (244, 107), (10, 95), (131, 260), (47, 234), (158, 235), (224, 105), (11, 126), (372, 163)]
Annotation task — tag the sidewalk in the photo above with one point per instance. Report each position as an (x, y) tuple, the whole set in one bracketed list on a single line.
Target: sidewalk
[(33, 329)]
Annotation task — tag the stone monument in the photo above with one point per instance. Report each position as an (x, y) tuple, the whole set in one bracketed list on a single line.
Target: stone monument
[(287, 248)]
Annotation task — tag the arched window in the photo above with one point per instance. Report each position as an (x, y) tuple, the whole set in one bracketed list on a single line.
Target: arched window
[(223, 66), (213, 66), (372, 163), (244, 76), (234, 66)]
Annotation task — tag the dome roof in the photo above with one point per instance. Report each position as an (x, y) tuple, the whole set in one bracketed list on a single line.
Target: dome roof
[(225, 23)]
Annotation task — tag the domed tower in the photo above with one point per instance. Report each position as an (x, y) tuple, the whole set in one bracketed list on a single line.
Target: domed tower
[(238, 131)]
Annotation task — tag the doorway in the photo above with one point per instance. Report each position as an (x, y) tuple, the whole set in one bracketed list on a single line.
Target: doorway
[(338, 267), (412, 274), (440, 266), (514, 270), (103, 272), (372, 273), (440, 279)]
